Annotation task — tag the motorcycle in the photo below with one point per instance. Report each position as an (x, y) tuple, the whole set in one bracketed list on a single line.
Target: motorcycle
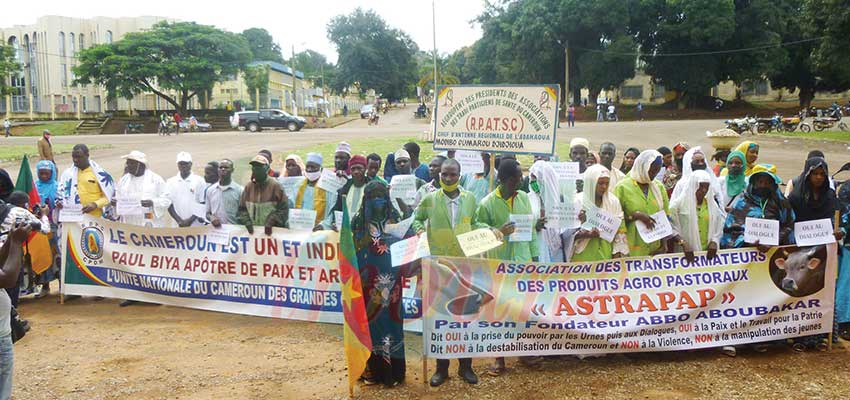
[(373, 118), (741, 125), (790, 124), (767, 125), (823, 123)]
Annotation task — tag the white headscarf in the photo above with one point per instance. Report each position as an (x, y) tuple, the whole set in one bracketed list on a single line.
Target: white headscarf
[(687, 170), (684, 211), (547, 179), (640, 173), (610, 204)]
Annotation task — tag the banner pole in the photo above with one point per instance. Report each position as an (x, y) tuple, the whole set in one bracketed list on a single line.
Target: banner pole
[(350, 391), (837, 219), (424, 370), (492, 171)]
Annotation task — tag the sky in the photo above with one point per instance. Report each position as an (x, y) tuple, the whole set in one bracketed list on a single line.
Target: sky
[(292, 23)]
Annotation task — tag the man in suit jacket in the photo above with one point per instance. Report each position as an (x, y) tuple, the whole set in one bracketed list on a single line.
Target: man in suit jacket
[(45, 149)]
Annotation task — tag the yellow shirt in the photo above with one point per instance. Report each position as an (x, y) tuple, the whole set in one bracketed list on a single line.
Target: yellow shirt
[(90, 192)]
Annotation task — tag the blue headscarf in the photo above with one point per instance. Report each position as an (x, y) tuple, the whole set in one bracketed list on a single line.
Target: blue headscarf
[(47, 189)]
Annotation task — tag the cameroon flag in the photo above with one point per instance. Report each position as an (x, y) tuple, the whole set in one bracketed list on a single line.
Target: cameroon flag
[(26, 182), (356, 338), (38, 244)]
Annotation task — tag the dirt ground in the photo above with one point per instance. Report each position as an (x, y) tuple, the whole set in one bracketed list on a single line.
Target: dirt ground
[(89, 349)]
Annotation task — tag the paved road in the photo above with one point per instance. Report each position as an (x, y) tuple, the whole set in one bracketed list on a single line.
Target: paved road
[(787, 154)]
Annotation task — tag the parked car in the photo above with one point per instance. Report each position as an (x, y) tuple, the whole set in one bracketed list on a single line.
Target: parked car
[(254, 121), (366, 111)]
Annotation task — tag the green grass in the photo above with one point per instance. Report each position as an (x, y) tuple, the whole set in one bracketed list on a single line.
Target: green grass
[(56, 128), (16, 152), (840, 136)]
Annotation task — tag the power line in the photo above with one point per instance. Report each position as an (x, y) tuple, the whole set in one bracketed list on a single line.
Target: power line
[(702, 53)]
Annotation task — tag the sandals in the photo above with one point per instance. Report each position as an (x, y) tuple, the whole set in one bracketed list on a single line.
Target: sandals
[(729, 351), (496, 370)]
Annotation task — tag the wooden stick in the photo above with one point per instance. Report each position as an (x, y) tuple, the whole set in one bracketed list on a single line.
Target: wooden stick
[(350, 391), (424, 370), (836, 226), (492, 171), (829, 343)]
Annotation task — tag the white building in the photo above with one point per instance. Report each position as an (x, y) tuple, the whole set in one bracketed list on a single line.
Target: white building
[(47, 51)]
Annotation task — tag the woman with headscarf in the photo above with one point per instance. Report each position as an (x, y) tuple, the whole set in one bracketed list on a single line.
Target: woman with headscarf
[(592, 159), (382, 285), (544, 192), (762, 199), (811, 199), (694, 160), (750, 150), (47, 188), (293, 166), (697, 216), (640, 196), (629, 160), (589, 246), (733, 183)]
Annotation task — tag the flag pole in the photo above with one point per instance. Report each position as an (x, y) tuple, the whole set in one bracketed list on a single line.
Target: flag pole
[(837, 218)]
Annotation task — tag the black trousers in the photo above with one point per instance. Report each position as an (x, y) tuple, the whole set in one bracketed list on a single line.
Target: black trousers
[(464, 363)]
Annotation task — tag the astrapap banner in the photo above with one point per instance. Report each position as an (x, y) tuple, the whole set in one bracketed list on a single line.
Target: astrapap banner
[(290, 275), (489, 308), (501, 119)]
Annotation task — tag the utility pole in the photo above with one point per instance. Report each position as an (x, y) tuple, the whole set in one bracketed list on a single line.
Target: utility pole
[(566, 73), (294, 83), (434, 31)]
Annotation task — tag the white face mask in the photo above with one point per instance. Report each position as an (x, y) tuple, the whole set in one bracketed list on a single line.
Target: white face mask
[(312, 176)]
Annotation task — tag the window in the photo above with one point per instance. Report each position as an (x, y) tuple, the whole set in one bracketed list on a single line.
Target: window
[(108, 37), (62, 44), (757, 88), (632, 92), (659, 91), (64, 77), (72, 44), (82, 41)]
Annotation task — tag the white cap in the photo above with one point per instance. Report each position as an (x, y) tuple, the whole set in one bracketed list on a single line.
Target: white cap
[(184, 157), (136, 155)]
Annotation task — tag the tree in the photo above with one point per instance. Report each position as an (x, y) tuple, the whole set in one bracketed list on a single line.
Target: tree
[(314, 65), (830, 20), (257, 77), (262, 45), (372, 55), (184, 57), (609, 67), (8, 65)]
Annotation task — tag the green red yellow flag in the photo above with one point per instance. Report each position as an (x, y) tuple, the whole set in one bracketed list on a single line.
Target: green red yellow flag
[(26, 183), (356, 338), (38, 244)]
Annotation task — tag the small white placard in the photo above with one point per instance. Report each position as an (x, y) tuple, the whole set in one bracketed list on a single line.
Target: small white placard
[(71, 213), (563, 215), (302, 220), (811, 233), (567, 170), (290, 185), (478, 241), (662, 228), (470, 162), (606, 223), (409, 250), (126, 206), (763, 231), (398, 230), (524, 223), (329, 182), (403, 187), (219, 236), (199, 210)]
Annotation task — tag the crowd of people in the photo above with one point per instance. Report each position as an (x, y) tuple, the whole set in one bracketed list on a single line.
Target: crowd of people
[(707, 206)]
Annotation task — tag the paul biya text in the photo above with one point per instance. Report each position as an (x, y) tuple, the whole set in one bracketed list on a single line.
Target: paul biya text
[(238, 245)]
